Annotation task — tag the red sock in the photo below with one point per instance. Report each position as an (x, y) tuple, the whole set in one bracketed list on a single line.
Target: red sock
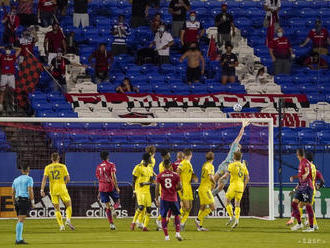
[(310, 213), (109, 216), (295, 212), (164, 225), (177, 223)]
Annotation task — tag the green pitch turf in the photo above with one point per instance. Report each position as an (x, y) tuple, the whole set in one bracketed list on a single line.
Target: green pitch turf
[(94, 233)]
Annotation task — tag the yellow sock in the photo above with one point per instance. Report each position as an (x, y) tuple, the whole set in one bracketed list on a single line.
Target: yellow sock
[(237, 212), (146, 220), (159, 217), (185, 216), (229, 209), (68, 213), (137, 215), (181, 212), (141, 217), (203, 214), (301, 212), (59, 218), (314, 221)]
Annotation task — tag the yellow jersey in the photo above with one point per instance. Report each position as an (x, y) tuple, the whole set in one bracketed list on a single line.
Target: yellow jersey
[(237, 171), (161, 167), (207, 170), (313, 167), (143, 174), (152, 162), (186, 172), (56, 172)]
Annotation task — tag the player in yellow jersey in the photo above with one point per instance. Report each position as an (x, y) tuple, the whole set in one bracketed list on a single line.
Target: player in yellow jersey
[(205, 191), (59, 177), (165, 156), (239, 178), (142, 179), (152, 151), (187, 175)]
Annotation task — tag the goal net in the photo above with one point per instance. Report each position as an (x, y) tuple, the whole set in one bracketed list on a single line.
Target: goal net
[(79, 141)]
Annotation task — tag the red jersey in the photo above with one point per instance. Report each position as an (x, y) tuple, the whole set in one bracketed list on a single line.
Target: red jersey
[(103, 174), (319, 40), (281, 47), (308, 181), (46, 5), (175, 165), (191, 31), (169, 181), (55, 41), (8, 64), (102, 60), (12, 21)]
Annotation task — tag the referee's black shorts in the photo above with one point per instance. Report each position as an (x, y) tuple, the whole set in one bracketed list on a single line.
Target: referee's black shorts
[(22, 205)]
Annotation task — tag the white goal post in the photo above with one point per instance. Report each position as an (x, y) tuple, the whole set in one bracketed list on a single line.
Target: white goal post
[(268, 121)]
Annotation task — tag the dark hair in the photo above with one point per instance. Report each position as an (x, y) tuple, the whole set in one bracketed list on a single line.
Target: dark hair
[(228, 44), (55, 156), (187, 152), (300, 152), (150, 149), (158, 13), (146, 157), (262, 69), (104, 155), (163, 153), (167, 163), (309, 156), (209, 156), (237, 155), (24, 166)]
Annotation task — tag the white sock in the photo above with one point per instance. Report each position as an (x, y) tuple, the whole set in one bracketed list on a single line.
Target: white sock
[(177, 233)]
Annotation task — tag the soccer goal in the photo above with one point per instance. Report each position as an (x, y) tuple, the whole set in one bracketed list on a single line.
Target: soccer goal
[(79, 141)]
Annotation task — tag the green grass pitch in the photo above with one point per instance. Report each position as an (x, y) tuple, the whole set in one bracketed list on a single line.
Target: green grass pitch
[(95, 233)]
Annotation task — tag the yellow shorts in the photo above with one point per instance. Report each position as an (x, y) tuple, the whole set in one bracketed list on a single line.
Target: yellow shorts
[(205, 197), (64, 196), (234, 192), (186, 193), (143, 199)]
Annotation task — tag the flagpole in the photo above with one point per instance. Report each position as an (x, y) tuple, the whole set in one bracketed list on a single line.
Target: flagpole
[(58, 84)]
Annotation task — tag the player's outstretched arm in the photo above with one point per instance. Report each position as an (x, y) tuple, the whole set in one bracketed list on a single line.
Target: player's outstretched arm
[(224, 176), (241, 132)]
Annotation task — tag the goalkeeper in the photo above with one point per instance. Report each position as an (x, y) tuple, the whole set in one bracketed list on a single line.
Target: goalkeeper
[(223, 167)]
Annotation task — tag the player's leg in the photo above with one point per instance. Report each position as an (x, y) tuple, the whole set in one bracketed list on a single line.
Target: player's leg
[(175, 209), (66, 199), (164, 207), (147, 202), (208, 199), (238, 197), (116, 199), (22, 209), (309, 210), (296, 213), (229, 208), (58, 215), (159, 221), (316, 227), (221, 183), (186, 211), (138, 211)]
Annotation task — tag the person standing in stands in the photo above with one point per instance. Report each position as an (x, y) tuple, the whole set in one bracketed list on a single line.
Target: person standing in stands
[(27, 42), (225, 23), (320, 38), (140, 9), (155, 23), (54, 40), (46, 12), (192, 31), (272, 8), (120, 31), (103, 61), (163, 41), (80, 13), (195, 59), (11, 22), (25, 13), (228, 62), (178, 9), (281, 52)]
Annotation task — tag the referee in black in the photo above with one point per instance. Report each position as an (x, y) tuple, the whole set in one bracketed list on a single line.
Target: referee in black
[(23, 197)]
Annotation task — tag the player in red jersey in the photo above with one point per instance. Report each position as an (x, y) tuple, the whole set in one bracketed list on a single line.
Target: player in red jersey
[(304, 192), (108, 186), (179, 158), (170, 184)]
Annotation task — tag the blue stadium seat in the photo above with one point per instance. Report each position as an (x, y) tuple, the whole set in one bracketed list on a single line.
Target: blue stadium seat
[(324, 137), (67, 114), (307, 137)]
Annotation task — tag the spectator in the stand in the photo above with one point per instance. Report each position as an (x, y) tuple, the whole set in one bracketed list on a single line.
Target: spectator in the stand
[(8, 65), (54, 40), (58, 69), (315, 62), (228, 62), (155, 23), (225, 23), (27, 42), (126, 87), (62, 6), (320, 38), (163, 41), (71, 44), (25, 13), (120, 31), (46, 12), (140, 10), (80, 13), (281, 52), (260, 78), (272, 8), (192, 31), (178, 9), (103, 61), (195, 58), (11, 22)]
